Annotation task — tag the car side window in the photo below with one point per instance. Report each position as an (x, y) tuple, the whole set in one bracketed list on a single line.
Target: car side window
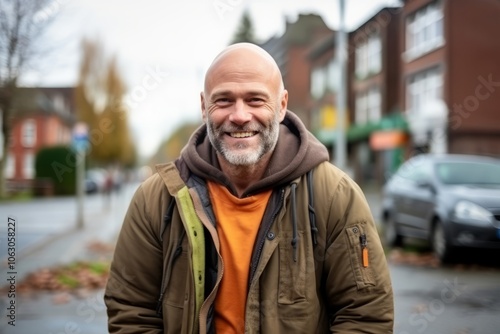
[(415, 171)]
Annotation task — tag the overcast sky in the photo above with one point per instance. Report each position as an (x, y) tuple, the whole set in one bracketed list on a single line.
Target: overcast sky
[(172, 42)]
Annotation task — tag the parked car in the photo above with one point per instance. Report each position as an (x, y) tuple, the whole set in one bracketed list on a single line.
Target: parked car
[(449, 200), (91, 186), (95, 180)]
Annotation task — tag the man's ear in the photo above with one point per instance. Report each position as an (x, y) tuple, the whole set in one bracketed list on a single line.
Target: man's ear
[(203, 110), (283, 104)]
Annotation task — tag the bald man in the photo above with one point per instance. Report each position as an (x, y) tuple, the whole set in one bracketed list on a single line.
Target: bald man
[(251, 229)]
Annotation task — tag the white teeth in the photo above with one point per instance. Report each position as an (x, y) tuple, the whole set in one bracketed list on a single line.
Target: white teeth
[(241, 134)]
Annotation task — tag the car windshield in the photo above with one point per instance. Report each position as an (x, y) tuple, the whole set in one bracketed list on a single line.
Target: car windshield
[(465, 172)]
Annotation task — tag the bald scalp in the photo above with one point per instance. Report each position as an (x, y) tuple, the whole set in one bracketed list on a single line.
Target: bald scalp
[(244, 56)]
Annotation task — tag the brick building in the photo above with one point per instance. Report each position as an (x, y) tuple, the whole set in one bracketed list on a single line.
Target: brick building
[(451, 53), (373, 108), (421, 77), (290, 52), (41, 117), (378, 131)]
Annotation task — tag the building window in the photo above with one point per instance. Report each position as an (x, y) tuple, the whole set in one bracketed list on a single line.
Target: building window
[(368, 107), (333, 75), (28, 133), (28, 165), (369, 57), (325, 78), (424, 30), (422, 87), (318, 82), (59, 104), (10, 167)]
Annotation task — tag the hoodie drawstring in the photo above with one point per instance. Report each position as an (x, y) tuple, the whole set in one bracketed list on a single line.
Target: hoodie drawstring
[(312, 213), (294, 221)]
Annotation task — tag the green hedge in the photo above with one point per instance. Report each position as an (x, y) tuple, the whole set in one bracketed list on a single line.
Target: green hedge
[(55, 169)]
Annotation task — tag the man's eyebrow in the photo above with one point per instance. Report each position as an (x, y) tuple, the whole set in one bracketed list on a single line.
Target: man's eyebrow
[(227, 92), (258, 93), (220, 93)]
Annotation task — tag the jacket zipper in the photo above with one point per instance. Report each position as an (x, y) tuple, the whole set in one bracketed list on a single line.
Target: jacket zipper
[(263, 240), (364, 250)]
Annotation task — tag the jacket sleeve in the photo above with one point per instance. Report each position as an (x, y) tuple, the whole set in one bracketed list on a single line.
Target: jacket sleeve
[(357, 280), (134, 282)]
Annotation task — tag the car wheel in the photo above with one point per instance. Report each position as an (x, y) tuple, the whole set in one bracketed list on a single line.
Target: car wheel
[(391, 233), (440, 245)]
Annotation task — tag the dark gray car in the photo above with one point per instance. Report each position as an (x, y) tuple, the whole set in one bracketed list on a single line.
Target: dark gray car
[(450, 200)]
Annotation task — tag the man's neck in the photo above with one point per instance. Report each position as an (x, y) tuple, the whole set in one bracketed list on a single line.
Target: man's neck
[(244, 176)]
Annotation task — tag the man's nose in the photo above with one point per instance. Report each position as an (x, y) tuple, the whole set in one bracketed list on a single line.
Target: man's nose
[(240, 114)]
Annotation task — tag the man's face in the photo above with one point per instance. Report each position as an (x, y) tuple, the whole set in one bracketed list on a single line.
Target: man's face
[(243, 105), (245, 144)]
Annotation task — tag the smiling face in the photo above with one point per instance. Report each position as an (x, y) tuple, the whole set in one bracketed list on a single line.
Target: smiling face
[(243, 104)]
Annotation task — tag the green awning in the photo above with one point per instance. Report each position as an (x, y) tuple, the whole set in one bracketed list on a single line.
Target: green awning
[(357, 132)]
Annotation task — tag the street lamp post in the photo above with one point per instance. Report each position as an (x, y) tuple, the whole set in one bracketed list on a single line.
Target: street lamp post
[(341, 53)]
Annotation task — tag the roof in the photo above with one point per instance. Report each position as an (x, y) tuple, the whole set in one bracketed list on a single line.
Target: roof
[(371, 18), (301, 31), (323, 45), (45, 100)]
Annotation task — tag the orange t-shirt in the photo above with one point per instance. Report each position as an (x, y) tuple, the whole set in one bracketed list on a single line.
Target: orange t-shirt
[(238, 221)]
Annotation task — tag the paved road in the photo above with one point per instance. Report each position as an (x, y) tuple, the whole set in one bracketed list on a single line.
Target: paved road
[(48, 217), (446, 300)]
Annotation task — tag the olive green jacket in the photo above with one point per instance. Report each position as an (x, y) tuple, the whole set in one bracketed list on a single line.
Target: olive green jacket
[(304, 278)]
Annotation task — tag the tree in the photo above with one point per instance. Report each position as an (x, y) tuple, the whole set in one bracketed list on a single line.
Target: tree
[(100, 103), (245, 32), (171, 147), (21, 24)]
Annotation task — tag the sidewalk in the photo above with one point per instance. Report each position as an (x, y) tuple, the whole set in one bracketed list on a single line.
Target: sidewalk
[(61, 312)]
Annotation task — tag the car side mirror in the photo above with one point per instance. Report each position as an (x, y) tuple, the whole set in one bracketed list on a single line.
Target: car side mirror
[(426, 184)]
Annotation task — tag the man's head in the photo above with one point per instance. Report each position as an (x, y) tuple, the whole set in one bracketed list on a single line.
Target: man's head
[(243, 102)]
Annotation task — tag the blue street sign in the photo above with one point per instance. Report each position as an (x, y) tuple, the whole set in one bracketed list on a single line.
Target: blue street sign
[(80, 141)]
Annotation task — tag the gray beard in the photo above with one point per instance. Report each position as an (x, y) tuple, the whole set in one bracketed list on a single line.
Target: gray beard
[(268, 139)]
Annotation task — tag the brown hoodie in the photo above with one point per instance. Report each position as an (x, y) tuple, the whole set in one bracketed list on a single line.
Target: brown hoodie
[(296, 152)]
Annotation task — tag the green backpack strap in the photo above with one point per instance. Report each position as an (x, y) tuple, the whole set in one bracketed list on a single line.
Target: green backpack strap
[(193, 226)]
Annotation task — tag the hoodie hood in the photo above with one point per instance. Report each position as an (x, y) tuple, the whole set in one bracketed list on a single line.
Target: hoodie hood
[(297, 151)]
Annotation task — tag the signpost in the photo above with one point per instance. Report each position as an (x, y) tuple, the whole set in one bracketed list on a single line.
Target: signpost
[(80, 144), (341, 54)]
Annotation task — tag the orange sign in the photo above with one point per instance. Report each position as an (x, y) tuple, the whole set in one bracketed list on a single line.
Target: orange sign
[(384, 140)]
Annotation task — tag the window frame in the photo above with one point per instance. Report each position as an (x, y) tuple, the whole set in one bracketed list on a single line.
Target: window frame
[(28, 133), (424, 30)]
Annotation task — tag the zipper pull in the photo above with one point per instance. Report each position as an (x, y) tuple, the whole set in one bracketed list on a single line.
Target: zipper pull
[(364, 250)]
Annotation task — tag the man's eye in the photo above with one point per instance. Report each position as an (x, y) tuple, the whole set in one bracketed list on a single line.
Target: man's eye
[(223, 101), (256, 100)]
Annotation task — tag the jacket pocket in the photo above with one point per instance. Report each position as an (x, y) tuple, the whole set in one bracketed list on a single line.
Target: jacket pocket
[(293, 269), (359, 247)]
